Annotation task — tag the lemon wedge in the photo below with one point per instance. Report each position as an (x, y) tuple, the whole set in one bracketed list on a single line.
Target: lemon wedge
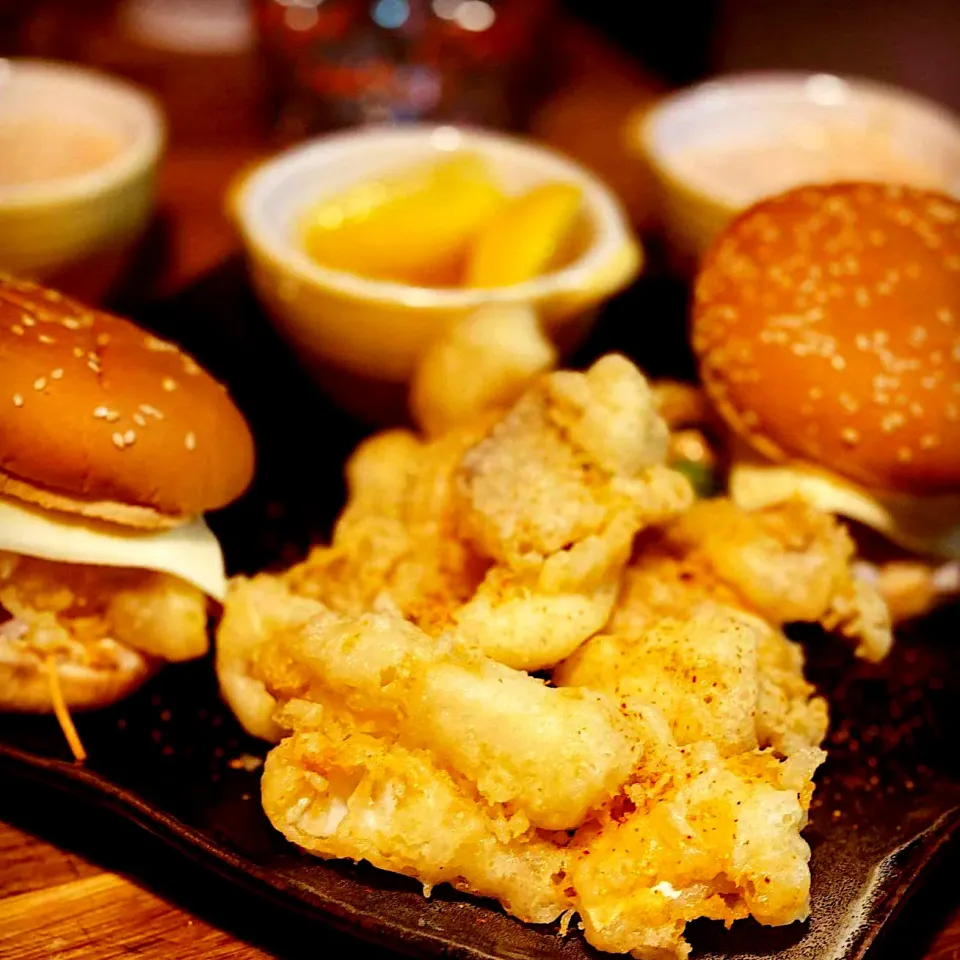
[(414, 228), (525, 238)]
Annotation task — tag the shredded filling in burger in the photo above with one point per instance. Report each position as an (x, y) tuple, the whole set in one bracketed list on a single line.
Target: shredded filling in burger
[(113, 443), (827, 326)]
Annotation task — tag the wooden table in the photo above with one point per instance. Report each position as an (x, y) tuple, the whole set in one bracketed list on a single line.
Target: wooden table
[(66, 876)]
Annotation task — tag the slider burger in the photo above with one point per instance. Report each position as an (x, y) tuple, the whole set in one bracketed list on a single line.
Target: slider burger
[(826, 322), (112, 445)]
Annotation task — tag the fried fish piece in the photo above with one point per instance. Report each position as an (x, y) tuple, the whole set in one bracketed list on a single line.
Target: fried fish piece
[(361, 797), (396, 535), (574, 451), (717, 675), (532, 618), (554, 496), (699, 836), (482, 363), (155, 614), (552, 755), (789, 562), (430, 525), (257, 611)]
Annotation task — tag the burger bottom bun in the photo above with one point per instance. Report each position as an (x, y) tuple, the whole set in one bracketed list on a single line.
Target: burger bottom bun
[(123, 514), (25, 683)]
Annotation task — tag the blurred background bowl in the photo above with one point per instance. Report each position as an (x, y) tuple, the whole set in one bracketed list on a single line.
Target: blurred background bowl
[(362, 337), (76, 230), (758, 111)]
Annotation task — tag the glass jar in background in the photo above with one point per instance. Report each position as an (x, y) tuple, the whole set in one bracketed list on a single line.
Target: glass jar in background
[(335, 63)]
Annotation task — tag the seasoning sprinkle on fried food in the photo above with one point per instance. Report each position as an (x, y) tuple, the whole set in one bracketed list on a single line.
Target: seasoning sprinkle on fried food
[(662, 773)]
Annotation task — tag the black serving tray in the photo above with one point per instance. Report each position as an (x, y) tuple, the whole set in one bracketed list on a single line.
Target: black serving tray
[(172, 759)]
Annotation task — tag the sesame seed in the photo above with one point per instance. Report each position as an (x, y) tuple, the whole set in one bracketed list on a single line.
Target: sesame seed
[(815, 393), (100, 413), (158, 345), (112, 416), (850, 436), (39, 383), (117, 439), (904, 455), (837, 362), (46, 338), (190, 367), (53, 295), (945, 316), (28, 321), (139, 419), (169, 384), (941, 212), (190, 441), (78, 352), (17, 329), (103, 339), (928, 441), (17, 400), (916, 409), (93, 365), (151, 411), (70, 323), (862, 297), (892, 420), (57, 374), (129, 437)]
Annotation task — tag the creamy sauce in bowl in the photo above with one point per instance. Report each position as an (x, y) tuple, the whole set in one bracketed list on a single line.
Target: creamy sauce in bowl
[(744, 171), (42, 149)]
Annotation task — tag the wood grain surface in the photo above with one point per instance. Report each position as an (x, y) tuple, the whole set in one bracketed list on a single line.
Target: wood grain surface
[(66, 875)]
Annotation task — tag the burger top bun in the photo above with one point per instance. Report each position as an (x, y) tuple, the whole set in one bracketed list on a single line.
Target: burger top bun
[(827, 326), (100, 418)]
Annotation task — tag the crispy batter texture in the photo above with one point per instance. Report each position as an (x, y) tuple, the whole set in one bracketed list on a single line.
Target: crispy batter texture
[(664, 771), (104, 630), (256, 614), (340, 794), (66, 608), (786, 563), (551, 755), (697, 835), (482, 363), (717, 675)]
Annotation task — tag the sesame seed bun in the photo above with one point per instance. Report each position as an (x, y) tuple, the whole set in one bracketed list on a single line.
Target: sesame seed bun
[(101, 419), (827, 326)]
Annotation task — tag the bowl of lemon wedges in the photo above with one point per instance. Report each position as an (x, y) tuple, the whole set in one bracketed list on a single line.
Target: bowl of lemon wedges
[(364, 247)]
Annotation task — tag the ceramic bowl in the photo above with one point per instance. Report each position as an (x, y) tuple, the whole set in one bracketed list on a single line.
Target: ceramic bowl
[(79, 225), (359, 335), (763, 108)]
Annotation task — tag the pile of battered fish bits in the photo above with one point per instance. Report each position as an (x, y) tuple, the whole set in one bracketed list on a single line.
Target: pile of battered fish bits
[(532, 665)]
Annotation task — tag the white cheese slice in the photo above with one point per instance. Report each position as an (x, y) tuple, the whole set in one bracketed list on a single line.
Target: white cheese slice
[(190, 552), (927, 525)]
